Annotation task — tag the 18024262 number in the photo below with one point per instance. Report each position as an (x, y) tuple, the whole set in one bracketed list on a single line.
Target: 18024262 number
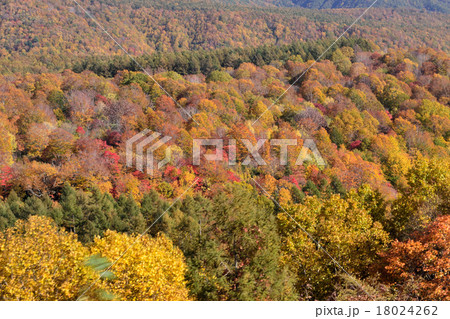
[(405, 311)]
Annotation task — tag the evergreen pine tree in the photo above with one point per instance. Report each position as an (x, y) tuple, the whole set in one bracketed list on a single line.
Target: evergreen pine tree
[(152, 207), (7, 218), (311, 189), (297, 195), (130, 219), (72, 214), (16, 205)]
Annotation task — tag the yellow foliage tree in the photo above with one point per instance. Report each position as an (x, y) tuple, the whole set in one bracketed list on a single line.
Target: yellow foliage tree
[(152, 268), (343, 227), (7, 142), (40, 262), (285, 197), (261, 112)]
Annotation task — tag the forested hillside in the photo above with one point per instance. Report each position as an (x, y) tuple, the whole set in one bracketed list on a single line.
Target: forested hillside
[(368, 220), (42, 36), (431, 5), (380, 120)]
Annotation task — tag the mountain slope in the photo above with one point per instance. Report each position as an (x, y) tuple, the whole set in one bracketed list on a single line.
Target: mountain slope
[(50, 35), (431, 5)]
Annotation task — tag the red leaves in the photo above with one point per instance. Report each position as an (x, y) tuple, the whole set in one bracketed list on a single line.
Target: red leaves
[(113, 160), (80, 131), (389, 115), (294, 181), (101, 98), (172, 172), (320, 107), (425, 259), (355, 144), (5, 176), (232, 177)]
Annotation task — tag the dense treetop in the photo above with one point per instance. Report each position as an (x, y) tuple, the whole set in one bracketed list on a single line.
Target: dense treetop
[(52, 35)]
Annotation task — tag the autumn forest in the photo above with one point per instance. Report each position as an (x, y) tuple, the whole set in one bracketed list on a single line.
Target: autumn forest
[(78, 79)]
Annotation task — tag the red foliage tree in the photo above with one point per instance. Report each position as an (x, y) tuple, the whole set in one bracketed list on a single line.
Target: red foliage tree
[(420, 267)]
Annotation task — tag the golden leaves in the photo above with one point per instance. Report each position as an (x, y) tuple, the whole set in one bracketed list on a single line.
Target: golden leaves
[(38, 261), (152, 269)]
